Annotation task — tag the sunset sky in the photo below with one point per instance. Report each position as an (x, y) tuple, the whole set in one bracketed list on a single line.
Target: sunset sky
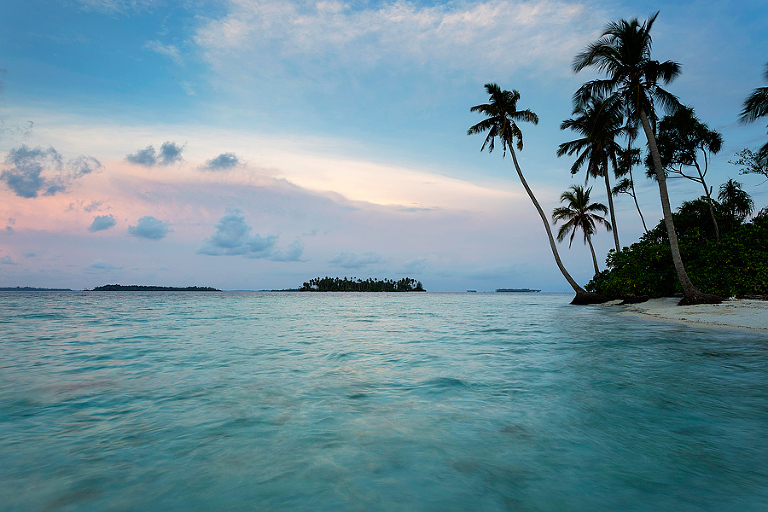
[(248, 144)]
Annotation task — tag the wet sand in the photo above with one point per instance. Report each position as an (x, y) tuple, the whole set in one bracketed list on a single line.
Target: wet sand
[(747, 314)]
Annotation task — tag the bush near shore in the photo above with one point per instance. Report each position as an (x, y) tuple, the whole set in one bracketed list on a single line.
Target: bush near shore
[(735, 266)]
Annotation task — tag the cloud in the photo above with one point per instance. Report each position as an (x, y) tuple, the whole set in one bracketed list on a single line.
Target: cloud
[(166, 50), (102, 265), (102, 222), (291, 253), (7, 260), (118, 6), (36, 170), (93, 206), (189, 88), (494, 35), (354, 261), (169, 153), (233, 238), (223, 162), (150, 228)]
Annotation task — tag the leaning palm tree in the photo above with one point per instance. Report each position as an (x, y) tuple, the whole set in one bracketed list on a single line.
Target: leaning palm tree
[(623, 52), (755, 106), (501, 120), (599, 122), (579, 215)]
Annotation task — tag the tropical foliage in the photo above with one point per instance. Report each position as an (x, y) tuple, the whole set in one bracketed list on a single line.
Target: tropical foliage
[(755, 107), (682, 139), (737, 265), (580, 214), (725, 253), (599, 123)]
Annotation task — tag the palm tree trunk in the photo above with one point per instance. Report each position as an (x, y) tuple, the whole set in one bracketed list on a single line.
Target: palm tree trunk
[(632, 185), (581, 293), (637, 205), (610, 209), (594, 259), (691, 293)]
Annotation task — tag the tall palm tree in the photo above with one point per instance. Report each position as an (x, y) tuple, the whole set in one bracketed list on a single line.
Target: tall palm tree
[(501, 120), (579, 214), (623, 52), (599, 122), (755, 106)]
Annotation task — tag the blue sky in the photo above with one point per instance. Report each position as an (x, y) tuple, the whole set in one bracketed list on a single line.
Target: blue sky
[(256, 144)]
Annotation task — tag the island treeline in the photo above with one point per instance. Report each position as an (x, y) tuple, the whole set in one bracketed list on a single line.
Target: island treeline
[(336, 284), (32, 289), (140, 288)]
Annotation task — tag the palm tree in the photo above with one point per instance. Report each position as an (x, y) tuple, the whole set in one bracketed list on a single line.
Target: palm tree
[(755, 106), (623, 52), (737, 202), (501, 120), (599, 122), (579, 215)]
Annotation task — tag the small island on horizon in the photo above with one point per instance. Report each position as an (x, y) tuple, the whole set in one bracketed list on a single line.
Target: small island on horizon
[(141, 288), (335, 284), (32, 289)]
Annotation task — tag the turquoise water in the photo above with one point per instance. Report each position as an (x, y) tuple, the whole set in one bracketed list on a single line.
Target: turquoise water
[(434, 402)]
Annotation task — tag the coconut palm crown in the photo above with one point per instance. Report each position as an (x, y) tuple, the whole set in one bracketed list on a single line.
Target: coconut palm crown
[(756, 106), (580, 214)]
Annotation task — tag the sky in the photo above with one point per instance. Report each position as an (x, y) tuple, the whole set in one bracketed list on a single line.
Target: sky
[(256, 144)]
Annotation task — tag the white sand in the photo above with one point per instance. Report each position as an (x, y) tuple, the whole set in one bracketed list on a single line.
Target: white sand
[(745, 314)]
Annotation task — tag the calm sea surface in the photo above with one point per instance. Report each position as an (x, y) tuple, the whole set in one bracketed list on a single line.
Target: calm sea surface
[(335, 402)]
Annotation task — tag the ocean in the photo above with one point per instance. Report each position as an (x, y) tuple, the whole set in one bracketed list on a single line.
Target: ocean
[(373, 402)]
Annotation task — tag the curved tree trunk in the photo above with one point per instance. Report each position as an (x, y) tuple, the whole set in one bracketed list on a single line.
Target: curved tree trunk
[(610, 209), (632, 186), (582, 296), (691, 294), (594, 259)]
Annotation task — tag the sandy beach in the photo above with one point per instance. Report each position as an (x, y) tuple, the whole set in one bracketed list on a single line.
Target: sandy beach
[(746, 314)]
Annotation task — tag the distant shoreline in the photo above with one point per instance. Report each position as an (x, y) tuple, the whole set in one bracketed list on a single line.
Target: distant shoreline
[(141, 288), (32, 289)]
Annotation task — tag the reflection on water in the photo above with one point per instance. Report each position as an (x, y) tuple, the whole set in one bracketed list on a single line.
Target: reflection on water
[(131, 401)]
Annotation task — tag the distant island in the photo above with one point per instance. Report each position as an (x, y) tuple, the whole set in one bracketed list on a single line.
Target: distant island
[(139, 288), (516, 290), (335, 284), (32, 289)]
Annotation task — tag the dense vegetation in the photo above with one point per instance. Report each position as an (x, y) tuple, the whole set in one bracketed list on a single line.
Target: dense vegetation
[(335, 284), (718, 254), (140, 288), (735, 266)]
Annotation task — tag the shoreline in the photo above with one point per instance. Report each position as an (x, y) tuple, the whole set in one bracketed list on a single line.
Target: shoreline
[(739, 314)]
